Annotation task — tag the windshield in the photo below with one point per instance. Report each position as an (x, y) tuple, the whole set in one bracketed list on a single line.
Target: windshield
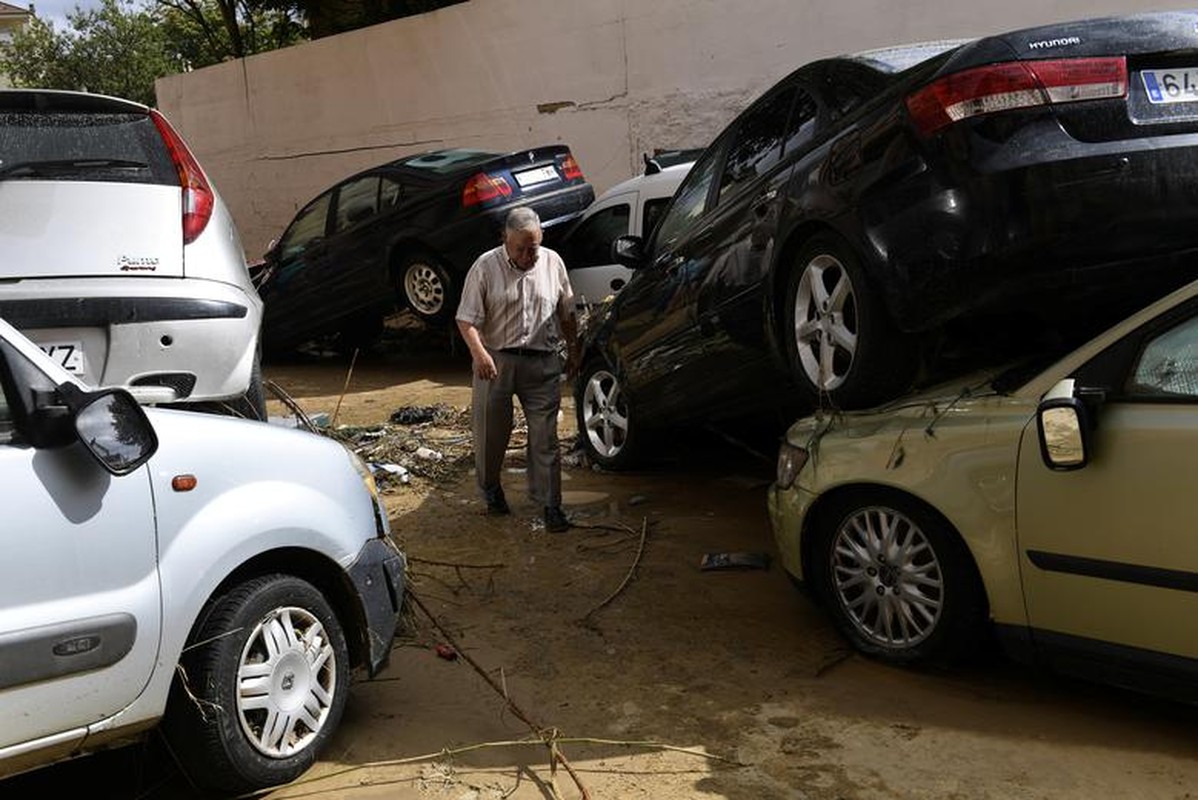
[(443, 162)]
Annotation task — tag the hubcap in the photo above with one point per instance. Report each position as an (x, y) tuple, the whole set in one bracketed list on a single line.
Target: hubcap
[(605, 414), (887, 578), (422, 284), (825, 322), (286, 682)]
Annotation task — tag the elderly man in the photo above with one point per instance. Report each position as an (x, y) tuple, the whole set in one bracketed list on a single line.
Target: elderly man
[(516, 308)]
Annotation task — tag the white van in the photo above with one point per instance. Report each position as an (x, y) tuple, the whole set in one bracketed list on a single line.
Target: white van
[(632, 207), (218, 575)]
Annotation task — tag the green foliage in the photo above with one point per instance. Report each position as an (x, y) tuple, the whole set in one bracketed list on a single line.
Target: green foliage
[(204, 32), (117, 50)]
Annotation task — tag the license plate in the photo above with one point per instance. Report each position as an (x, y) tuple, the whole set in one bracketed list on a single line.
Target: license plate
[(1166, 86), (531, 177), (69, 355)]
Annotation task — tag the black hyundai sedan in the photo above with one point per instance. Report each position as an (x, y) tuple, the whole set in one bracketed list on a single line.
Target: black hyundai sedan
[(825, 242), (405, 231)]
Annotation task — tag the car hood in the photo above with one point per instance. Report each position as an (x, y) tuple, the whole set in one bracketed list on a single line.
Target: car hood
[(959, 400)]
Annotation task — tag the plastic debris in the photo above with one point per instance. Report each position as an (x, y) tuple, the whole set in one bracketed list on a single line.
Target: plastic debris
[(414, 415), (429, 453), (727, 561), (446, 652)]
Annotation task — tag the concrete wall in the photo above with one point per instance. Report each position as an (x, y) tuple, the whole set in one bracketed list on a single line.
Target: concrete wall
[(611, 78)]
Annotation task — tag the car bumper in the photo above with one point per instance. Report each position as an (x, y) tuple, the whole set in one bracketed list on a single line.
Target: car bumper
[(463, 242), (1028, 219), (193, 339), (788, 509), (377, 575)]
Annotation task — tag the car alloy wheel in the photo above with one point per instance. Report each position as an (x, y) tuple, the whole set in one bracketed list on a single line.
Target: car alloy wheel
[(287, 680), (261, 686), (886, 577), (424, 288), (604, 417), (825, 322)]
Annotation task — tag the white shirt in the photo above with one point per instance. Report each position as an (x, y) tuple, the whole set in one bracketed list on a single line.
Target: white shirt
[(513, 307)]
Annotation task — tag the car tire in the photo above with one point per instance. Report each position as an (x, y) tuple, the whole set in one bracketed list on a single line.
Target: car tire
[(252, 404), (605, 421), (424, 285), (896, 579), (841, 345), (260, 688)]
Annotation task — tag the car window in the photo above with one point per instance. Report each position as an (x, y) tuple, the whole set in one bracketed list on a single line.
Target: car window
[(1168, 364), (390, 193), (651, 214), (591, 243), (76, 146), (308, 226), (757, 146), (690, 202), (356, 201), (800, 128), (6, 420), (846, 86)]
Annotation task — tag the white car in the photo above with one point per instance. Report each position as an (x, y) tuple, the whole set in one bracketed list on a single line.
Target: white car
[(117, 255), (218, 575), (632, 207)]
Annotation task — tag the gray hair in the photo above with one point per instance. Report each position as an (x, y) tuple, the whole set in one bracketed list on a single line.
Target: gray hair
[(522, 218)]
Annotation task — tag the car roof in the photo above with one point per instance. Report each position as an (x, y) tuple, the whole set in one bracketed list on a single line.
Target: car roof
[(897, 58), (658, 184)]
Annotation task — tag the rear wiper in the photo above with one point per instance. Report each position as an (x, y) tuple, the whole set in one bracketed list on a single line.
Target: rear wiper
[(59, 166)]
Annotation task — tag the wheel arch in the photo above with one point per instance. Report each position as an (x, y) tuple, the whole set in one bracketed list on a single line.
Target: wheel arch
[(312, 567), (827, 502), (402, 248), (779, 277)]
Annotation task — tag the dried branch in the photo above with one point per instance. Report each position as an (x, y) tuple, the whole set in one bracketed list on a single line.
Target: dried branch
[(546, 735), (348, 375), (640, 550)]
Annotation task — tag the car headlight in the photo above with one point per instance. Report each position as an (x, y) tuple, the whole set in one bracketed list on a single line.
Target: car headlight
[(790, 461), (381, 523)]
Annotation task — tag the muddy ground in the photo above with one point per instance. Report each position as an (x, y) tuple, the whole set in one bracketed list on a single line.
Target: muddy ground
[(672, 683)]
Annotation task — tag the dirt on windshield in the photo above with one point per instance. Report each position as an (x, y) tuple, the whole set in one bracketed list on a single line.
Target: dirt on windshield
[(650, 676)]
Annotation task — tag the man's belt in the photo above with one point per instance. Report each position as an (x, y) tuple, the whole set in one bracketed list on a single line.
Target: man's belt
[(525, 351)]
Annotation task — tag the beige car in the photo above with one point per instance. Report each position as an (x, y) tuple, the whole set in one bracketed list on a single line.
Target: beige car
[(1059, 504)]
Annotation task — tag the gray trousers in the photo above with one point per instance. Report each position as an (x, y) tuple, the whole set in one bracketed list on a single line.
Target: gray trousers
[(535, 380)]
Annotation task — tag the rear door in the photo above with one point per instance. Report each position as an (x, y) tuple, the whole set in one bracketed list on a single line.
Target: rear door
[(86, 193), (79, 593), (292, 293)]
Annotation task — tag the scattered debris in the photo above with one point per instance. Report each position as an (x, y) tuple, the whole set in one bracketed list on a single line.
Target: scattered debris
[(446, 652), (728, 561), (637, 499), (414, 415)]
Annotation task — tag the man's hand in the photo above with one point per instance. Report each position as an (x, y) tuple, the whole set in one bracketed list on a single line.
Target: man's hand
[(484, 366)]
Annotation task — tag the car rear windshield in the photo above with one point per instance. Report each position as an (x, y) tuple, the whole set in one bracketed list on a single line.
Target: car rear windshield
[(896, 59), (83, 146), (444, 162)]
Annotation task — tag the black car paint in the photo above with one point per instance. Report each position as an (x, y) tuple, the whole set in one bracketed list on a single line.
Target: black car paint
[(1018, 210), (349, 276)]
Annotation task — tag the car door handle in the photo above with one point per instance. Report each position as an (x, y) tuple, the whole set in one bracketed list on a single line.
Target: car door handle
[(762, 205)]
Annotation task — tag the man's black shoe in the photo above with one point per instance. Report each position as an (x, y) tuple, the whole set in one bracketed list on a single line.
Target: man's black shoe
[(555, 520), (496, 503)]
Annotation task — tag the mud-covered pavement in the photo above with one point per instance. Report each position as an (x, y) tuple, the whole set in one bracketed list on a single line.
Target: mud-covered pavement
[(685, 683)]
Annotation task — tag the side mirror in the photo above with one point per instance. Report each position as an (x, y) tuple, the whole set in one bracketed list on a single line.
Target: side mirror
[(628, 251), (1064, 433), (112, 427)]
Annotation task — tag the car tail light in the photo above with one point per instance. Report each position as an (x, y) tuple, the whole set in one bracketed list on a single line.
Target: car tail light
[(570, 169), (1016, 84), (198, 197), (483, 187)]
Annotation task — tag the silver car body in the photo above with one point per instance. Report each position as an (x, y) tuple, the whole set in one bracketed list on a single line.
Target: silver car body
[(129, 562), (98, 271)]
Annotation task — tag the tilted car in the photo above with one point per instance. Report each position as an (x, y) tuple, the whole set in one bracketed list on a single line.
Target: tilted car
[(216, 575), (406, 231), (866, 205), (630, 207), (1053, 503), (117, 254)]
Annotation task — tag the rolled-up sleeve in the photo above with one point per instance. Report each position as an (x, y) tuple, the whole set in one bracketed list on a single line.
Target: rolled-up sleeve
[(472, 306)]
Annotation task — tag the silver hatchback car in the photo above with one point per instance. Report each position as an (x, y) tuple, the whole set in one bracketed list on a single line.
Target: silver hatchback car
[(117, 255)]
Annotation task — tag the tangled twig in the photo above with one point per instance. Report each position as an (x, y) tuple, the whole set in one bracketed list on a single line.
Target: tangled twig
[(348, 375), (545, 735), (640, 550)]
